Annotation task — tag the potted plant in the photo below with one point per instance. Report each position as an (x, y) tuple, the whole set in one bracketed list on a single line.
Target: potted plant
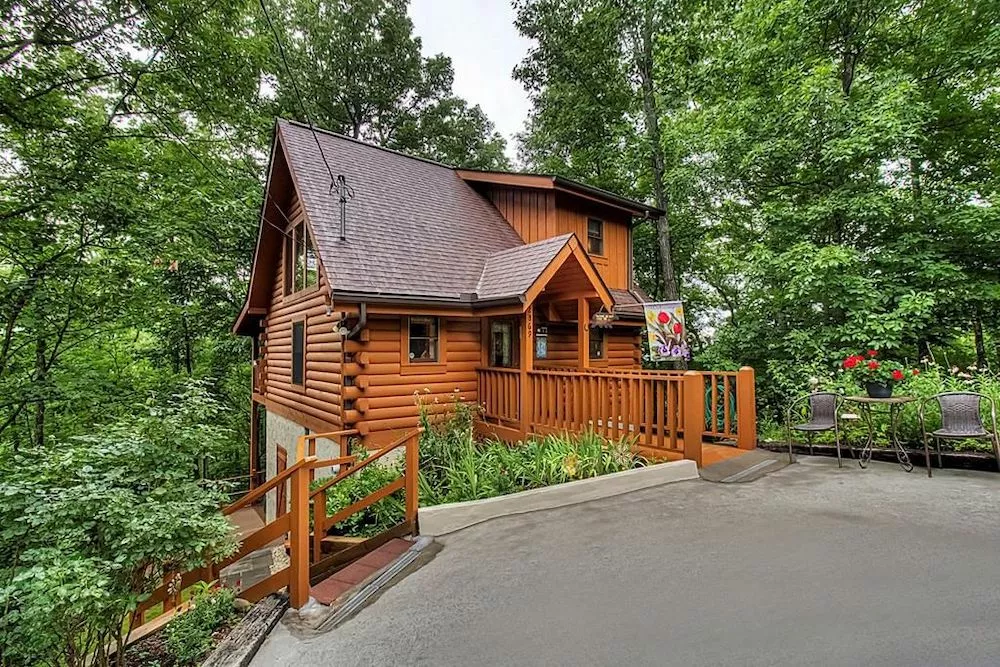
[(877, 376)]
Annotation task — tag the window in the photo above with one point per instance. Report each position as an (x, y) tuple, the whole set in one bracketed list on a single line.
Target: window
[(597, 343), (595, 236), (423, 339), (299, 352), (302, 269), (502, 344)]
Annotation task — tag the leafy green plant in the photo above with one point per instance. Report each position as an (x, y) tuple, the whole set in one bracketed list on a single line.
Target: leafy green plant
[(90, 526), (189, 636), (379, 516)]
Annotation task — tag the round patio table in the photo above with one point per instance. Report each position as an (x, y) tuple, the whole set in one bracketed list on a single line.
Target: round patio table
[(892, 406)]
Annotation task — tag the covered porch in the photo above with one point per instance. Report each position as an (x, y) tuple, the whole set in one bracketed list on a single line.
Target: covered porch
[(567, 362)]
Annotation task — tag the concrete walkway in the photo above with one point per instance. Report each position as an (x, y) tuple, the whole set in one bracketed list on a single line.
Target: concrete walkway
[(810, 565)]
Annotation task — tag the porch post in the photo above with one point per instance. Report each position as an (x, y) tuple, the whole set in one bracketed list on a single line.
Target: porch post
[(746, 409), (583, 332), (527, 364), (694, 415), (254, 440)]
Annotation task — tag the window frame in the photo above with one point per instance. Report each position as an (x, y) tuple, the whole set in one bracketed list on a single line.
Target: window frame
[(410, 366), (599, 237), (293, 250), (298, 386), (514, 342), (602, 335)]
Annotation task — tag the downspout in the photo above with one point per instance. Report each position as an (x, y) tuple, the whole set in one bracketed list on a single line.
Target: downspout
[(362, 321)]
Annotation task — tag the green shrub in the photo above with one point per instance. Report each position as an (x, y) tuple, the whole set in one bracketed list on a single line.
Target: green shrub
[(189, 635), (90, 525), (379, 516), (454, 467)]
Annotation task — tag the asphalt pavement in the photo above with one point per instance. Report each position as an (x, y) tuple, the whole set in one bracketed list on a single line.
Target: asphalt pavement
[(811, 565)]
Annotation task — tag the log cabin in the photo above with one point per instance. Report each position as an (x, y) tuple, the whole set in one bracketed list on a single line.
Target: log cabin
[(382, 280)]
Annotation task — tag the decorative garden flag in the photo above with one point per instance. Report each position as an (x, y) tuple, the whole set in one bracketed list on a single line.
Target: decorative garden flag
[(666, 331)]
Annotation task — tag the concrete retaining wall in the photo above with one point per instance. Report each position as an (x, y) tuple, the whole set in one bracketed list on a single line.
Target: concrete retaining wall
[(443, 519)]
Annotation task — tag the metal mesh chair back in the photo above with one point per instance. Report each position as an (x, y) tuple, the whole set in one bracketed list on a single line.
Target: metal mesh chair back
[(823, 409), (960, 415)]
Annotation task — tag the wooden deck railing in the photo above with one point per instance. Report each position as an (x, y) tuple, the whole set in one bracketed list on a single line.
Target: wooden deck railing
[(500, 393), (306, 562), (653, 407)]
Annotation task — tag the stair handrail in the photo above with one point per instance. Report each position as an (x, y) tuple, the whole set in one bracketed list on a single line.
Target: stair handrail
[(306, 437), (408, 482), (272, 483), (343, 474)]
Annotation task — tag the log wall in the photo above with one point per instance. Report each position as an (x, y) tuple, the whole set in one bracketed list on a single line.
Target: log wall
[(393, 387), (318, 404), (623, 348)]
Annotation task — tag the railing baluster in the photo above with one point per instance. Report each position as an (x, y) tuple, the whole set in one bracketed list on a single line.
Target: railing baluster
[(673, 415), (662, 391), (319, 525), (647, 386), (725, 405)]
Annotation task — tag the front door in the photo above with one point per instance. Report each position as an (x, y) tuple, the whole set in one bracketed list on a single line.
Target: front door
[(503, 343)]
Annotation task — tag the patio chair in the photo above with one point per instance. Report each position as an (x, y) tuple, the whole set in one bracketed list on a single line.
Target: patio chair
[(961, 418), (821, 415)]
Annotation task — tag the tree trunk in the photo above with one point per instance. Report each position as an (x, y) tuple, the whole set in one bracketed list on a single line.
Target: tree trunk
[(40, 380), (977, 330), (644, 62), (188, 360)]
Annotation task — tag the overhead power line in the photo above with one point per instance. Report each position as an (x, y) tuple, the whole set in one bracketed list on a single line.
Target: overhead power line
[(232, 142), (295, 90)]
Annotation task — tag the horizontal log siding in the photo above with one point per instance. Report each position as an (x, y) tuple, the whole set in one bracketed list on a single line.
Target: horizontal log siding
[(389, 400), (320, 400), (623, 348)]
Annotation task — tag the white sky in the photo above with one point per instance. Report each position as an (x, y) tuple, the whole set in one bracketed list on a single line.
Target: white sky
[(484, 46)]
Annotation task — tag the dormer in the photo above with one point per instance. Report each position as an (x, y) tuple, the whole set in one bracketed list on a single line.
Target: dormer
[(543, 206)]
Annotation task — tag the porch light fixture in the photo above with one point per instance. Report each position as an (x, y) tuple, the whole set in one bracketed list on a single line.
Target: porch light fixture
[(602, 319)]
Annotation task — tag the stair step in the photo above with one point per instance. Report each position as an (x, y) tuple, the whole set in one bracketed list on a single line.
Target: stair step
[(334, 543)]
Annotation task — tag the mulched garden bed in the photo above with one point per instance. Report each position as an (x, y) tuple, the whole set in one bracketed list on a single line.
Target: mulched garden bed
[(152, 651)]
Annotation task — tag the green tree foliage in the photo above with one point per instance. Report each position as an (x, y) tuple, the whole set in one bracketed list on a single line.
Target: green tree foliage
[(359, 71), (135, 136), (89, 527), (831, 171)]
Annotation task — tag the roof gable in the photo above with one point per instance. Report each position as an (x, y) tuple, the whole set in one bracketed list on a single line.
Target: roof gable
[(413, 227)]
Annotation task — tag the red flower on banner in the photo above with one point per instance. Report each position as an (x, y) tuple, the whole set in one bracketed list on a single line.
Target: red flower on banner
[(897, 374), (873, 364), (678, 328), (663, 317)]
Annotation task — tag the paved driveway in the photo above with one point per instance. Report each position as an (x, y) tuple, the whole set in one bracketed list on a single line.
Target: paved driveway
[(809, 566)]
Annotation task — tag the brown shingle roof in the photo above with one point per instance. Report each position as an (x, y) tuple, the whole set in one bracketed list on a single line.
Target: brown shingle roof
[(631, 300), (414, 228), (511, 272)]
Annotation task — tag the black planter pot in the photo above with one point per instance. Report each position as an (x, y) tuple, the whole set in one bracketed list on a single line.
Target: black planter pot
[(879, 390)]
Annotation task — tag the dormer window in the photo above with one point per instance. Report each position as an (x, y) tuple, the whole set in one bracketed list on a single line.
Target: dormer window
[(595, 236), (302, 266)]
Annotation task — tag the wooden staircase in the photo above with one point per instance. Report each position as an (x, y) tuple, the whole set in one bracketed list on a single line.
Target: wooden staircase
[(313, 555)]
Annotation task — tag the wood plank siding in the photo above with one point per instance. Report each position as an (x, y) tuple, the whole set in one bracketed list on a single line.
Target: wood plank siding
[(541, 214)]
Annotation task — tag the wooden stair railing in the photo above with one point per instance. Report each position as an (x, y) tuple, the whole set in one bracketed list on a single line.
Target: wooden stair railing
[(409, 481), (305, 563)]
